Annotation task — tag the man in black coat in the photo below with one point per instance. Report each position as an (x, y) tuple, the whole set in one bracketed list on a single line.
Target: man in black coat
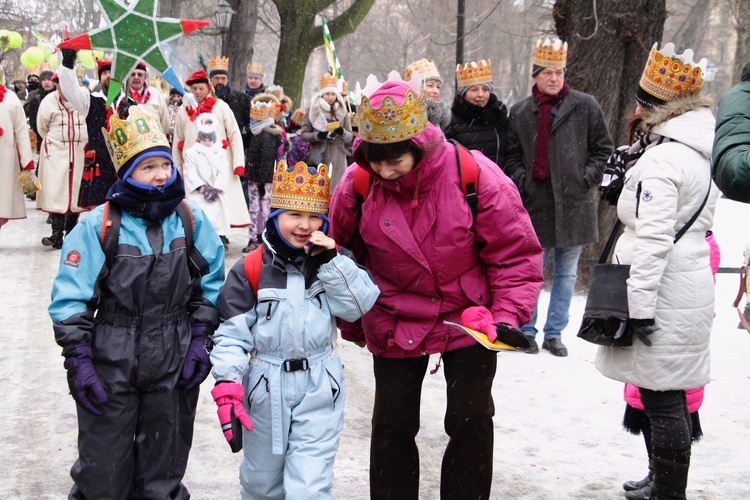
[(560, 147)]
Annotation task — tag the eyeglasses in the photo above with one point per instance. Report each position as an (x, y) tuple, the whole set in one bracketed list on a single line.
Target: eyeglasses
[(138, 74)]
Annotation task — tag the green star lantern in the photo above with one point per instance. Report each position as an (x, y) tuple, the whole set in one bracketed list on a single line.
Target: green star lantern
[(134, 33)]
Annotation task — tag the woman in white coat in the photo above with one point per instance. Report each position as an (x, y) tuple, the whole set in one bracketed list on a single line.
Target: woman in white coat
[(64, 134), (15, 149), (670, 289)]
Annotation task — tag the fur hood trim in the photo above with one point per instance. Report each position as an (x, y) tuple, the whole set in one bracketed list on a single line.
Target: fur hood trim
[(673, 109)]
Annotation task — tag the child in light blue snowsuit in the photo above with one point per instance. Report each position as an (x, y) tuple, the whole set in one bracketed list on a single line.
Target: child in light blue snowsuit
[(292, 404)]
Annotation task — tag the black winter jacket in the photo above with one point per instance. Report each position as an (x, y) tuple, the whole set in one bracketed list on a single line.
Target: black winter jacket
[(262, 155), (483, 128)]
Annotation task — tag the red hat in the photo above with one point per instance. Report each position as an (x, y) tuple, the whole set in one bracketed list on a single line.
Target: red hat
[(141, 66), (199, 76), (102, 65)]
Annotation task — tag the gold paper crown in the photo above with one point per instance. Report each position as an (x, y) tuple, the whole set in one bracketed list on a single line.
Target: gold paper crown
[(328, 80), (668, 75), (301, 188), (43, 66), (392, 122), (80, 71), (344, 88), (255, 69), (276, 90), (425, 67), (265, 106), (550, 54), (218, 64), (139, 132), (474, 73), (160, 83)]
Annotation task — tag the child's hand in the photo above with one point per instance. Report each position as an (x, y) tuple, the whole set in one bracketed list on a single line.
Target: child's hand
[(320, 243)]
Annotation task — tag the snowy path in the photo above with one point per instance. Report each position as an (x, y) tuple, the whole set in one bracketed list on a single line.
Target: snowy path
[(557, 422)]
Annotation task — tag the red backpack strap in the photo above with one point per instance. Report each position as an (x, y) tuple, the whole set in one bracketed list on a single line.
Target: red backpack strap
[(468, 170), (253, 264), (362, 181)]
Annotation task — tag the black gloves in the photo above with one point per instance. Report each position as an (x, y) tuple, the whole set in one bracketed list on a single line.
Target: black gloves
[(123, 108), (322, 136), (69, 58), (642, 328), (339, 131)]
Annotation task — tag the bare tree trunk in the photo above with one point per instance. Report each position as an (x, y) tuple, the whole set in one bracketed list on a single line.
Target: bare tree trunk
[(691, 32), (606, 54), (299, 37), (240, 40)]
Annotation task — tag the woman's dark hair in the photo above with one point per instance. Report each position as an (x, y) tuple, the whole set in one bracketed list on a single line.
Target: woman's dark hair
[(371, 152)]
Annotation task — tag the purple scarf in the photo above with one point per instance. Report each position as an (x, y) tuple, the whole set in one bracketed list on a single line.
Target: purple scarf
[(546, 104)]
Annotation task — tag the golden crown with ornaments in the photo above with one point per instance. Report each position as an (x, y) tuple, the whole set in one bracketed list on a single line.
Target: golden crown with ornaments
[(301, 187), (669, 75), (397, 117), (140, 131), (474, 73), (425, 67), (218, 64), (550, 54)]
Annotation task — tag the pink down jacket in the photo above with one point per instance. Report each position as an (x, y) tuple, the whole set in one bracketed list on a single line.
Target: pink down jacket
[(430, 258), (694, 398)]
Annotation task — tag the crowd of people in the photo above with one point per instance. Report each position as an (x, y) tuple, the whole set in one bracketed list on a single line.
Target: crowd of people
[(389, 220)]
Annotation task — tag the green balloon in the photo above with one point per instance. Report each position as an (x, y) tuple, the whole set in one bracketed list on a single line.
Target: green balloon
[(14, 40), (25, 62), (34, 55)]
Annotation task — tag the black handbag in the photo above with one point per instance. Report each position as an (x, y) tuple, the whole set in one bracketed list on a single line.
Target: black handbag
[(606, 319)]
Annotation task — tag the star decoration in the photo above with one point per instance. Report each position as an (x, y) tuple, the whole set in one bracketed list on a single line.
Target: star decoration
[(132, 34)]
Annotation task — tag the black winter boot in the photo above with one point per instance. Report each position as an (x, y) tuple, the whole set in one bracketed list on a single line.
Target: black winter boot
[(637, 485), (58, 226), (70, 222), (670, 472)]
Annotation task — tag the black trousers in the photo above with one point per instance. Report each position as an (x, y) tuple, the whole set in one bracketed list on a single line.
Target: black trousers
[(467, 462), (671, 437)]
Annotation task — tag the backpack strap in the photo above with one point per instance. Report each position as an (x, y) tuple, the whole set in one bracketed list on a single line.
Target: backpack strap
[(362, 182), (468, 171), (253, 264), (188, 223), (109, 236)]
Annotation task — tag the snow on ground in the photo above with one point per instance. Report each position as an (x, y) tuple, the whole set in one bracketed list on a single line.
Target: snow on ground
[(557, 422)]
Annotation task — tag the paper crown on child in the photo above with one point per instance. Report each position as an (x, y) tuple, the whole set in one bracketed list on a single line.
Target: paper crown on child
[(391, 112), (425, 67), (474, 73), (550, 54), (668, 75), (301, 187), (218, 66), (255, 69), (140, 131), (264, 106), (298, 117)]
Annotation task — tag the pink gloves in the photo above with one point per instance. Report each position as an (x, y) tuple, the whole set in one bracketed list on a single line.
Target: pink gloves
[(480, 319), (228, 397)]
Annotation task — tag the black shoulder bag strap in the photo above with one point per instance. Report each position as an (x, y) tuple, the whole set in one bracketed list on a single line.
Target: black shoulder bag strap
[(678, 235)]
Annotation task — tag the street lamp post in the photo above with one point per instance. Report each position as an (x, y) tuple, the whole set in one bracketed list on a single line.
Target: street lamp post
[(223, 20)]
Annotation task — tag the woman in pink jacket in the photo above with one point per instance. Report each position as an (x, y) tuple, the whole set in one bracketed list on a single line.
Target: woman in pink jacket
[(432, 259)]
